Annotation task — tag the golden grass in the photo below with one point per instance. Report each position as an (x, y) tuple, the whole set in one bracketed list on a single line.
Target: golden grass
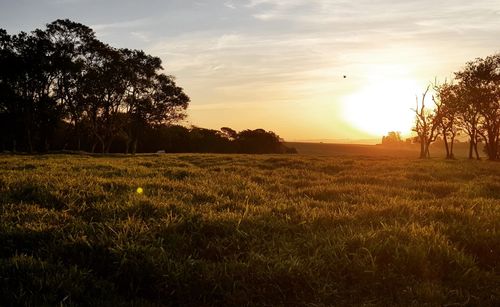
[(248, 230)]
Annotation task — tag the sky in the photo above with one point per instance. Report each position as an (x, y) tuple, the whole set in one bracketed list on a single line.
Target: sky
[(280, 64)]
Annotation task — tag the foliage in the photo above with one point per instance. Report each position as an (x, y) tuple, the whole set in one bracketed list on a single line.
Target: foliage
[(61, 88), (470, 105), (392, 138), (449, 105), (227, 140), (64, 76), (479, 84)]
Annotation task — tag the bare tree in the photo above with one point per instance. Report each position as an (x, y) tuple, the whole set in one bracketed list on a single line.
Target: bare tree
[(427, 123)]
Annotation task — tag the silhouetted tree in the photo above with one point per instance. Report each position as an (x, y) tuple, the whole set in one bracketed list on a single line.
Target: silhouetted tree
[(448, 101), (140, 70), (229, 133), (161, 103), (392, 138), (103, 93), (27, 83), (426, 125), (63, 88), (10, 104), (65, 75), (209, 140), (259, 141), (73, 44), (479, 83), (468, 118), (171, 138)]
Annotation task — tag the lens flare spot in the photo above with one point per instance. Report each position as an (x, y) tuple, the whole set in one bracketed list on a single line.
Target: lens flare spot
[(140, 190)]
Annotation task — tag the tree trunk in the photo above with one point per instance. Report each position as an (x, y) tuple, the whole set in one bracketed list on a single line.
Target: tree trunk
[(103, 146), (30, 142), (46, 145), (134, 146), (445, 140), (497, 147), (108, 146), (452, 143), (476, 151), (422, 148), (471, 147), (127, 145), (78, 136), (492, 146)]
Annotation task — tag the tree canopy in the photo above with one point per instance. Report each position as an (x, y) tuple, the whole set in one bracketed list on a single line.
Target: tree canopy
[(63, 75), (62, 88), (469, 104)]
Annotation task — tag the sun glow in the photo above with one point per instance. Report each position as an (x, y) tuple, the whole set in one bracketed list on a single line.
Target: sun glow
[(382, 106)]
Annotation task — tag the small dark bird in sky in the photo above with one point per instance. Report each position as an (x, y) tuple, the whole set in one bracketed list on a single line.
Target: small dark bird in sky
[(345, 76)]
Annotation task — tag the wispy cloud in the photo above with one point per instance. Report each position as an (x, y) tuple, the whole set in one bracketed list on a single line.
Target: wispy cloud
[(230, 5), (127, 24), (142, 36), (282, 56), (62, 2)]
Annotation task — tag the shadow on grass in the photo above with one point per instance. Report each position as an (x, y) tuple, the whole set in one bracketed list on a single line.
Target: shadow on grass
[(260, 260)]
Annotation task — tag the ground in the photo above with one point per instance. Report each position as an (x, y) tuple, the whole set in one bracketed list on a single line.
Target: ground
[(285, 230)]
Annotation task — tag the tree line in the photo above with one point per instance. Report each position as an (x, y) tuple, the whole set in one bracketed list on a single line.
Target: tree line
[(469, 105), (62, 88), (174, 138)]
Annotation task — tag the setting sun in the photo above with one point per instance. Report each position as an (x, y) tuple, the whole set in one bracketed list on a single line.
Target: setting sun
[(382, 107)]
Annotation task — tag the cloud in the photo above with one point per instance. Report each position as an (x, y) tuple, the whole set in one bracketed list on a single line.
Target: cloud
[(142, 36), (225, 106), (283, 54), (227, 41), (481, 14), (230, 4), (122, 24), (63, 2), (280, 56), (284, 4)]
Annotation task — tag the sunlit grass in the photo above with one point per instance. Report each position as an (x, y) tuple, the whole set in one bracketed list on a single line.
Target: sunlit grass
[(248, 230)]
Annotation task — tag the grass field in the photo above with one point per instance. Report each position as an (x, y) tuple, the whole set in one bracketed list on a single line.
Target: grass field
[(238, 230), (461, 150)]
